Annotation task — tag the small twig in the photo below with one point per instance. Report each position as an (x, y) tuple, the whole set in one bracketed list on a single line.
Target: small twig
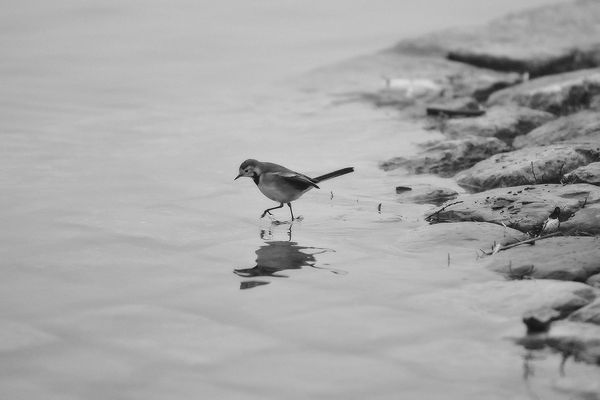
[(584, 202), (532, 240), (533, 172), (379, 208), (448, 260), (429, 217)]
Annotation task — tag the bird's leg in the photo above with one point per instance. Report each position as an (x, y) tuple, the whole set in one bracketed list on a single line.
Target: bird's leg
[(267, 211), (291, 212)]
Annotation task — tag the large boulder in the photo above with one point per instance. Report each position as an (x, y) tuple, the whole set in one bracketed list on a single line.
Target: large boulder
[(504, 123), (526, 207), (581, 126), (586, 174), (448, 157), (542, 41), (562, 258), (559, 94), (540, 164)]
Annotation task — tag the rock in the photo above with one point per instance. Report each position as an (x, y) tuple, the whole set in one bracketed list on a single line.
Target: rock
[(425, 194), (542, 41), (561, 258), (504, 123), (468, 235), (587, 174), (447, 157), (594, 281), (582, 125), (559, 94), (526, 207), (540, 164), (590, 313)]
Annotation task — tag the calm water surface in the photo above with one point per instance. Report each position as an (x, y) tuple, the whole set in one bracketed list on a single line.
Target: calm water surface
[(133, 267)]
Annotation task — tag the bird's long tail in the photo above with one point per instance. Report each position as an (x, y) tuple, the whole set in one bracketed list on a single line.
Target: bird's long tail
[(333, 174)]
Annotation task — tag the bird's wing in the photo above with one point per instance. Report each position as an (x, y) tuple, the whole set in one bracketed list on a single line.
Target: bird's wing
[(295, 178)]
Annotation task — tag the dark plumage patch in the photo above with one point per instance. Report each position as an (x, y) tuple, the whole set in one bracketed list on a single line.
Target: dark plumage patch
[(255, 178)]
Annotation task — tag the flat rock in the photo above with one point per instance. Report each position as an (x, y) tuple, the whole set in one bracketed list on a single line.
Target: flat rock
[(594, 281), (539, 164), (447, 157), (561, 258), (425, 194), (469, 235), (559, 94), (583, 125), (542, 41), (526, 207), (590, 313), (586, 174), (504, 123)]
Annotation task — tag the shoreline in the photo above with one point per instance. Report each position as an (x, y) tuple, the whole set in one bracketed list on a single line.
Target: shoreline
[(518, 102)]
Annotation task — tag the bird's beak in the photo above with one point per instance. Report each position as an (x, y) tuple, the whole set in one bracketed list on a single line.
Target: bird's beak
[(237, 177)]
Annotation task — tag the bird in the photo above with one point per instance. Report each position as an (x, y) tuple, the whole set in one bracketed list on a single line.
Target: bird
[(552, 223), (281, 184)]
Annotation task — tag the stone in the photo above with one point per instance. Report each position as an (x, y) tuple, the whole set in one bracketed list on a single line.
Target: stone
[(584, 125), (541, 41), (561, 258), (526, 207), (504, 123), (467, 235), (539, 164), (445, 158), (590, 313), (586, 174), (559, 94), (594, 281), (425, 194)]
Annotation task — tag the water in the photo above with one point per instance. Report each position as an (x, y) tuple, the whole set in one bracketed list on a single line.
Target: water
[(133, 267)]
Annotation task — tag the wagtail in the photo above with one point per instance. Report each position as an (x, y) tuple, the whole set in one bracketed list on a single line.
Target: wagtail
[(552, 223), (281, 184)]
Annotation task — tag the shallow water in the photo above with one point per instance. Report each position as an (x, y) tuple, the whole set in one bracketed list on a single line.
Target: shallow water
[(125, 241)]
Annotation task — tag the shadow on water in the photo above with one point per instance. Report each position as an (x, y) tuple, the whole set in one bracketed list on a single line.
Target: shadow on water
[(279, 255)]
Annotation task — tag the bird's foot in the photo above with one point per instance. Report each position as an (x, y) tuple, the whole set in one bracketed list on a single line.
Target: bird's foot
[(265, 213)]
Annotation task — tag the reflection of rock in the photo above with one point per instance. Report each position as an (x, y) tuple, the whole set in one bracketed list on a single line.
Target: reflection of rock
[(526, 207), (571, 339), (559, 94), (448, 157), (425, 194), (563, 258), (584, 125), (504, 123), (540, 164)]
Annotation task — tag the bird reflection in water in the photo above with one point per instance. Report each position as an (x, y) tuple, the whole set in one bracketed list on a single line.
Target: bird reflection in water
[(279, 255)]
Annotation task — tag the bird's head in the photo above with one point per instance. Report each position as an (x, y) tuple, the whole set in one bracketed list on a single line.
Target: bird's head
[(556, 213), (249, 168)]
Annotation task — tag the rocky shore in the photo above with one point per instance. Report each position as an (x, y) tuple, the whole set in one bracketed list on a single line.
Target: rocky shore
[(518, 105)]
